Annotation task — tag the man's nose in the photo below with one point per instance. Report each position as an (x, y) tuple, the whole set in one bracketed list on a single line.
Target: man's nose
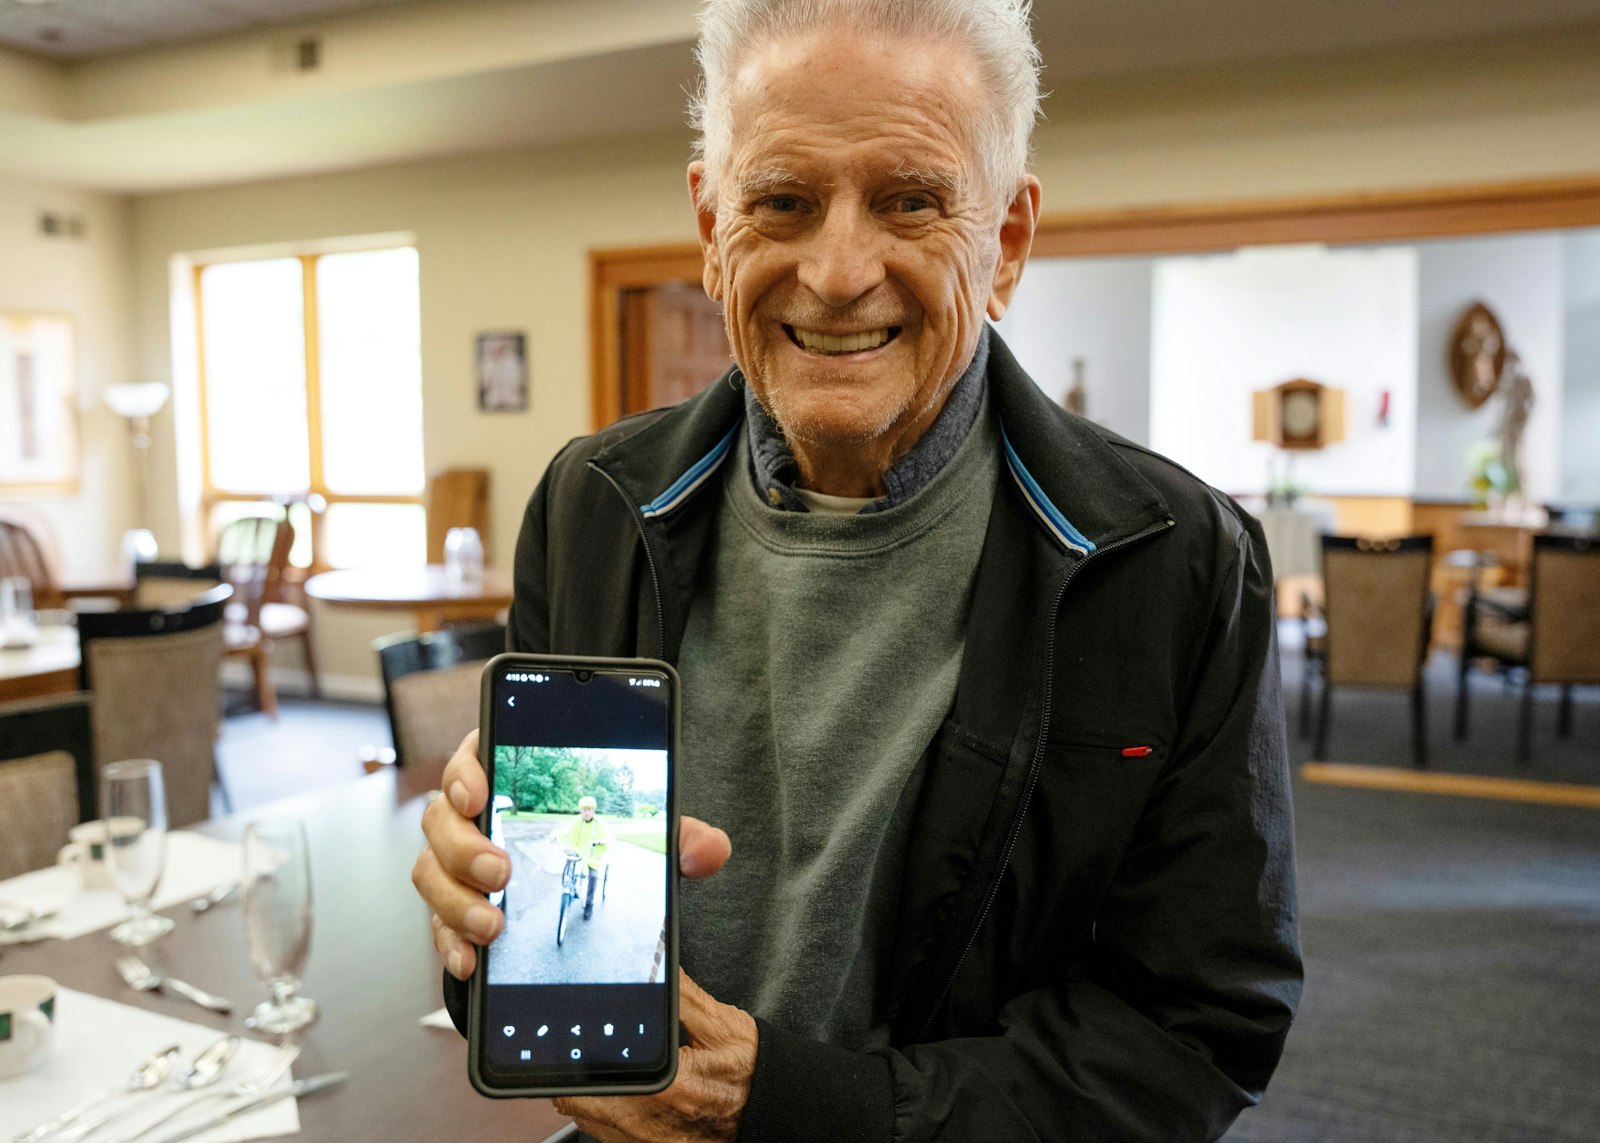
[(843, 260)]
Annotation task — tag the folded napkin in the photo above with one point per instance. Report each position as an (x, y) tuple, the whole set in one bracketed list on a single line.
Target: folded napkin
[(439, 1019), (195, 866), (100, 1042)]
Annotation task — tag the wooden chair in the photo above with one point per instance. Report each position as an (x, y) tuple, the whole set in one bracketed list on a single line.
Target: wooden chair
[(22, 554), (456, 498), (431, 688), (253, 555), (154, 675), (1378, 616), (1550, 635), (47, 778)]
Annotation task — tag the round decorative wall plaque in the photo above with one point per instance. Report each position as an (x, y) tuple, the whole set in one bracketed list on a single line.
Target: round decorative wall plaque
[(1477, 354)]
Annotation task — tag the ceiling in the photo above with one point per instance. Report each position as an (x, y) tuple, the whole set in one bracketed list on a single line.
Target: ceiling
[(137, 95), (81, 29)]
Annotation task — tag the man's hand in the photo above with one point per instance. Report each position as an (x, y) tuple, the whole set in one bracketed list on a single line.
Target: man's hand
[(706, 1100), (459, 864)]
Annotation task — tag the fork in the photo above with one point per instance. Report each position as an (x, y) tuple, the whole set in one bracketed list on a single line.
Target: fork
[(258, 1081), (143, 978)]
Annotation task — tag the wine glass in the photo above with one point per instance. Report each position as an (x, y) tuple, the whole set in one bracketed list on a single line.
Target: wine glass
[(134, 799), (277, 917)]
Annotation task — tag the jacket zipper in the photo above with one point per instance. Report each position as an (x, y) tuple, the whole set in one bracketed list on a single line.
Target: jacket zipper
[(649, 559), (1033, 768)]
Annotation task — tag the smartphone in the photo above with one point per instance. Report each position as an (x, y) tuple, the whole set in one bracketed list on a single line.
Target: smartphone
[(579, 992)]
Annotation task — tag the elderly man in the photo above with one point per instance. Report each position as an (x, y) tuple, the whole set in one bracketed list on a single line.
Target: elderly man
[(985, 696)]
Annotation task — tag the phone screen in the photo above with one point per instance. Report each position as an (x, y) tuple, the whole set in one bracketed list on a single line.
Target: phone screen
[(579, 990)]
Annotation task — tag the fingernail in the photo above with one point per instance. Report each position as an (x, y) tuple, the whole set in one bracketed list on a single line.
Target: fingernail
[(458, 797), (483, 921), (488, 870), (453, 963)]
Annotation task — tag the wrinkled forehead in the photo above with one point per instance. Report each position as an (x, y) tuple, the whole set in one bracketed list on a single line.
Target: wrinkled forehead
[(836, 100)]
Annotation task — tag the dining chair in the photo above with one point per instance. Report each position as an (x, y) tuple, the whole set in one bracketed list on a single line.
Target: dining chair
[(22, 553), (171, 583), (431, 687), (456, 498), (253, 555), (1377, 617), (47, 778), (1549, 634), (154, 674)]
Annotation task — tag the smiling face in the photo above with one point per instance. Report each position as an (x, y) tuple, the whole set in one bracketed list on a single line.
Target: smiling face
[(854, 246)]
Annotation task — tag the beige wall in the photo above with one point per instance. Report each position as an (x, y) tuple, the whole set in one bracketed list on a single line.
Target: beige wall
[(1514, 109), (503, 238), (503, 244), (88, 279)]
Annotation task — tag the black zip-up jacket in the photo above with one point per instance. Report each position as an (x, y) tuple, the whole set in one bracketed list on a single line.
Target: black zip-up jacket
[(1096, 938)]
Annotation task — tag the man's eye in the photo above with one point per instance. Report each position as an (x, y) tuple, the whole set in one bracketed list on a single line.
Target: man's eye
[(784, 203), (912, 203)]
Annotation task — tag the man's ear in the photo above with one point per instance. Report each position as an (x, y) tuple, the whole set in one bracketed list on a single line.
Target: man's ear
[(1016, 239), (705, 218)]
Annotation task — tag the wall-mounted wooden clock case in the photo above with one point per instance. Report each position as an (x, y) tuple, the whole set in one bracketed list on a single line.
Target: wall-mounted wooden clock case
[(1299, 414)]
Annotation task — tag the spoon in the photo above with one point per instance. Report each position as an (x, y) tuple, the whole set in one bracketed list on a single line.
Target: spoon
[(146, 1076), (203, 1071)]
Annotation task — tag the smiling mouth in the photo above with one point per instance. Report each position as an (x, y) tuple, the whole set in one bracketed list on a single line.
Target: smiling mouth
[(836, 345)]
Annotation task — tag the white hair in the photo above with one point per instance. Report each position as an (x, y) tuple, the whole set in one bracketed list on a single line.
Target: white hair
[(994, 32)]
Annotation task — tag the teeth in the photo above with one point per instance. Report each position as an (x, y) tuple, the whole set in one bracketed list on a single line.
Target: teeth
[(849, 343)]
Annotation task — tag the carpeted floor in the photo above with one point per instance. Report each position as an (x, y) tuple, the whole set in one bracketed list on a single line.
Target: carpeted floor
[(1452, 945)]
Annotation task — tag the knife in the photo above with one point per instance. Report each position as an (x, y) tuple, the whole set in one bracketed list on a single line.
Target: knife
[(297, 1088)]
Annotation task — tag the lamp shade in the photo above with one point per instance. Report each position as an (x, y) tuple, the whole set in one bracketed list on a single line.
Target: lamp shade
[(136, 398)]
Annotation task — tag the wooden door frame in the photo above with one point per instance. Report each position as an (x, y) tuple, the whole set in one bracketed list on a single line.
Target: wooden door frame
[(611, 272), (1378, 216)]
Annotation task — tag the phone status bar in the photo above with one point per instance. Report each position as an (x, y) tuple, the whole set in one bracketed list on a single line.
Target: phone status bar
[(526, 677)]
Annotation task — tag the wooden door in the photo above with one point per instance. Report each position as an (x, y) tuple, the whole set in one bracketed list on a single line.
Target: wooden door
[(673, 344)]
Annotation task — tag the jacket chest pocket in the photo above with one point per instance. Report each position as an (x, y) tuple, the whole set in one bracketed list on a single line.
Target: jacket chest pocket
[(1083, 815)]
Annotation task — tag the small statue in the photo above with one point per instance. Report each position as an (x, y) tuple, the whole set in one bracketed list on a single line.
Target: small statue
[(1518, 390), (1076, 400)]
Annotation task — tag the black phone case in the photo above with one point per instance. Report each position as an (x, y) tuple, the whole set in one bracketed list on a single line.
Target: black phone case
[(478, 988)]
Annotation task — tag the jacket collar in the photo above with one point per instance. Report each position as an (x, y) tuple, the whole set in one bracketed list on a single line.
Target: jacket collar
[(1069, 472)]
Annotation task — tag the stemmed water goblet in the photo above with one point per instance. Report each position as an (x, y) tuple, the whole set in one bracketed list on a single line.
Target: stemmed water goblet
[(134, 799), (277, 913)]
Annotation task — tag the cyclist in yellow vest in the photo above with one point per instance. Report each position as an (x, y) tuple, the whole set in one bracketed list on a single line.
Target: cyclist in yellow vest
[(587, 834)]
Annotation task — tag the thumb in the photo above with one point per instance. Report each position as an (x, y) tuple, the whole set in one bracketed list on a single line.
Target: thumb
[(702, 848)]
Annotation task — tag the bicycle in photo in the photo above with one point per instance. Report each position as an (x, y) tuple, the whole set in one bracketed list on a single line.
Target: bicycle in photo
[(575, 884)]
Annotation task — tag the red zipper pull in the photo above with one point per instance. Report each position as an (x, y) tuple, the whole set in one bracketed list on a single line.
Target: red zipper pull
[(1136, 751)]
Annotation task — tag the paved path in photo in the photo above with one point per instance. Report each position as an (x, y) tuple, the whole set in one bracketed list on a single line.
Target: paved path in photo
[(616, 946)]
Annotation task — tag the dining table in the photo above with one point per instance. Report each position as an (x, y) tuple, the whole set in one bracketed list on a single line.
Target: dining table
[(47, 666), (372, 970), (429, 592)]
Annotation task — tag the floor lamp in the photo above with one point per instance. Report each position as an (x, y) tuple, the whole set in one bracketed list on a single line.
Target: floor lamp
[(136, 402)]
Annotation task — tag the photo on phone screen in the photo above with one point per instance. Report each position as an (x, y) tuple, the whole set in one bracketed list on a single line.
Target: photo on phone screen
[(578, 992)]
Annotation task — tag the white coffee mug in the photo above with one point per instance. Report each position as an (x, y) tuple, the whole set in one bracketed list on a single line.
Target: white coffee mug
[(27, 1022), (87, 851)]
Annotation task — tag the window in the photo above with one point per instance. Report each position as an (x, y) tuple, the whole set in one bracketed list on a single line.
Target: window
[(311, 393)]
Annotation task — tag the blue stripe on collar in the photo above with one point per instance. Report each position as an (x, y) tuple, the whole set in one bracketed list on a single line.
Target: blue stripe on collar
[(1049, 515), (685, 486)]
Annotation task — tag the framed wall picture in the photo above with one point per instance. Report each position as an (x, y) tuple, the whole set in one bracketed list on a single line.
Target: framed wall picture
[(502, 368), (38, 404)]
